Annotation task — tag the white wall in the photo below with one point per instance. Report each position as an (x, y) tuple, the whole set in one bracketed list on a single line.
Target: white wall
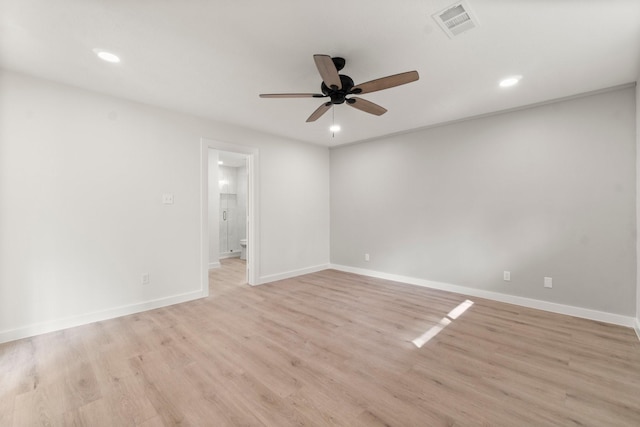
[(81, 219), (297, 205), (545, 191)]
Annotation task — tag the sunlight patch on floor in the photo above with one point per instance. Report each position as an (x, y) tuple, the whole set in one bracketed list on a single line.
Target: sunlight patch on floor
[(443, 323)]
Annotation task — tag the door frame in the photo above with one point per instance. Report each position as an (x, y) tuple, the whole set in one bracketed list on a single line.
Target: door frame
[(253, 207)]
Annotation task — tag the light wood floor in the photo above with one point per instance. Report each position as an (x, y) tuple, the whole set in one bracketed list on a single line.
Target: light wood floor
[(324, 349)]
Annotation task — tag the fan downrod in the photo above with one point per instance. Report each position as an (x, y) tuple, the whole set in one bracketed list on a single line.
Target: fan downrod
[(339, 62)]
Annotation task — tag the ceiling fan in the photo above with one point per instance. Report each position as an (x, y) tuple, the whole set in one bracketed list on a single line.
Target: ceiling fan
[(338, 86)]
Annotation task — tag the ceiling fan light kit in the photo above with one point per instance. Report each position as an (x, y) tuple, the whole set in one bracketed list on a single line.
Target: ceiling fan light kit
[(337, 87)]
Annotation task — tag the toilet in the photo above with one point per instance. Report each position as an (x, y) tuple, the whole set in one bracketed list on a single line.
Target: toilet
[(243, 248)]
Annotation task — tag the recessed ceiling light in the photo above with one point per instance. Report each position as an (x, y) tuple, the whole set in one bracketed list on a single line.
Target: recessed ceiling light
[(106, 56), (510, 81), (334, 128)]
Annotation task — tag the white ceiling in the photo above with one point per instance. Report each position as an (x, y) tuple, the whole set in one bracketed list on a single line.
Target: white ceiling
[(213, 58)]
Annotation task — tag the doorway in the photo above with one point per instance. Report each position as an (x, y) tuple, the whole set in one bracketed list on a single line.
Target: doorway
[(229, 207), (232, 209)]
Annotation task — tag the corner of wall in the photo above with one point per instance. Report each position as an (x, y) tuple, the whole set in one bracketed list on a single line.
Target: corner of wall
[(289, 274)]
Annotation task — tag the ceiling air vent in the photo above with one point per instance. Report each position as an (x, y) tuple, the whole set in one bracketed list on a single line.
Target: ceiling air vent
[(456, 19)]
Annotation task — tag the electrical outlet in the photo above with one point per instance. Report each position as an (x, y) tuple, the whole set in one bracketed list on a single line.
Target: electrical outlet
[(167, 199), (506, 276), (548, 282), (366, 257), (145, 279)]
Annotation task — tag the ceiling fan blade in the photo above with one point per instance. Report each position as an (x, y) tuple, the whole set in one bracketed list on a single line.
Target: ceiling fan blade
[(291, 95), (319, 112), (328, 71), (386, 82), (366, 106)]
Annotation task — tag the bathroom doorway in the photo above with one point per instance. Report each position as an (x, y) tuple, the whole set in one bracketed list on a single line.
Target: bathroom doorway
[(232, 211), (229, 208)]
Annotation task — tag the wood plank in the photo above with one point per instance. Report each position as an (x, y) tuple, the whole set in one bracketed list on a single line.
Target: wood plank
[(327, 349)]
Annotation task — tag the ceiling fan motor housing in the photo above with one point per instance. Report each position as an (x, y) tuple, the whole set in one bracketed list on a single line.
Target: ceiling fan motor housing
[(338, 96)]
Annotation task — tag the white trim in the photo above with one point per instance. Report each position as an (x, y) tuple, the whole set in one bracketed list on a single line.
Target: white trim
[(214, 265), (230, 255), (637, 328), (294, 273), (83, 319), (585, 313)]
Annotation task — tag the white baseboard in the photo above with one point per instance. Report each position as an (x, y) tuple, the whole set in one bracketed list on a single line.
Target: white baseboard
[(83, 319), (230, 255), (289, 274), (637, 327), (213, 265), (585, 313)]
